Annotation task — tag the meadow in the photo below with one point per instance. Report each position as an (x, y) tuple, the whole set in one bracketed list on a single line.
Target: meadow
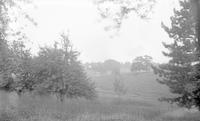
[(107, 107), (142, 86)]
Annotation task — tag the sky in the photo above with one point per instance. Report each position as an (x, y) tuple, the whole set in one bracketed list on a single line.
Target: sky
[(81, 20)]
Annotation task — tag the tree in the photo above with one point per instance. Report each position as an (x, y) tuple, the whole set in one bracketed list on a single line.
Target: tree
[(3, 42), (59, 72), (141, 63), (195, 4), (22, 75), (109, 65), (55, 70), (195, 8), (180, 73), (13, 58), (5, 32), (17, 75), (119, 87), (118, 10), (112, 65)]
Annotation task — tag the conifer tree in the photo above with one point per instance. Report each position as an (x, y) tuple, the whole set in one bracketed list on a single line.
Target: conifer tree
[(180, 74)]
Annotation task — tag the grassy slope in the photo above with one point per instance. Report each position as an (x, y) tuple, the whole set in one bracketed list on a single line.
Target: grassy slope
[(143, 85)]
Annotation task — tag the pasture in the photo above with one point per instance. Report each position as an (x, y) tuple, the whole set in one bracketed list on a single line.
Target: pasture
[(139, 86), (139, 104)]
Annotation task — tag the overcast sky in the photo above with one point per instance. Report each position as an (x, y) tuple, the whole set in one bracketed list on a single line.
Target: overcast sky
[(136, 37)]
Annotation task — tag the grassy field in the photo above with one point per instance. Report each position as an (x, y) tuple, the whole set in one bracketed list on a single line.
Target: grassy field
[(47, 109), (139, 85), (106, 107)]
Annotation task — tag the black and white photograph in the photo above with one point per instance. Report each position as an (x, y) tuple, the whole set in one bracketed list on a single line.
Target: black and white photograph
[(99, 60)]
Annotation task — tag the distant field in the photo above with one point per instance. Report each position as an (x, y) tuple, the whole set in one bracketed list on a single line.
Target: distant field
[(142, 85)]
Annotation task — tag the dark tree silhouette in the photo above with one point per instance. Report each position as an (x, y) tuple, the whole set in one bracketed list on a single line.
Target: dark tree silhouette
[(181, 73)]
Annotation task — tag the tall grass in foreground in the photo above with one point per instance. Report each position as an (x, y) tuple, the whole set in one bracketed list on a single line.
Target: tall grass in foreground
[(48, 109)]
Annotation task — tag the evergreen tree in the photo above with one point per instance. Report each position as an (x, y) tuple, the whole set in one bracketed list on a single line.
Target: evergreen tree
[(179, 73), (195, 4)]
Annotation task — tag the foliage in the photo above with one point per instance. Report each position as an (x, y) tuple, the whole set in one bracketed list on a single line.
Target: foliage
[(18, 76), (10, 55), (58, 71), (109, 65), (141, 63), (119, 86), (179, 73), (55, 70), (118, 10), (196, 14), (3, 42)]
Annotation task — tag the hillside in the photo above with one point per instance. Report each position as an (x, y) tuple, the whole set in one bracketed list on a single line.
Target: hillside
[(143, 85)]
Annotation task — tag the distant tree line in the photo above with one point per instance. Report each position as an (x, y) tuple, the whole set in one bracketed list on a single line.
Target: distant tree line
[(110, 65), (139, 64)]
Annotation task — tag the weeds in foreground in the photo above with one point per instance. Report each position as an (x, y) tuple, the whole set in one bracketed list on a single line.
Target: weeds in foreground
[(83, 110)]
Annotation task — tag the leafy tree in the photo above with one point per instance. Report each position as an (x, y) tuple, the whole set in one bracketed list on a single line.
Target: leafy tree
[(17, 74), (56, 70), (22, 75), (181, 73), (102, 67), (8, 58), (59, 72), (141, 63), (3, 42)]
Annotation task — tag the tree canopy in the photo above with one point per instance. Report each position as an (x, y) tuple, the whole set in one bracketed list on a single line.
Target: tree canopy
[(55, 70)]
